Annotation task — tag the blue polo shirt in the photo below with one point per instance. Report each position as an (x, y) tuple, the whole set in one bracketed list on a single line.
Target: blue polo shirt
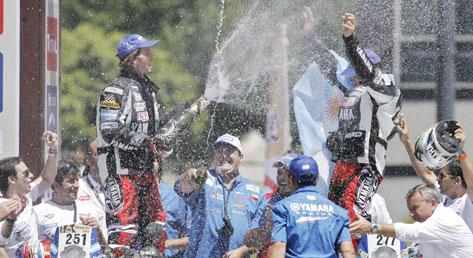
[(206, 237), (177, 217), (260, 218), (309, 224)]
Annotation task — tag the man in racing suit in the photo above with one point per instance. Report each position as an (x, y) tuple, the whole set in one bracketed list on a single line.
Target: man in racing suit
[(131, 131), (365, 124), (366, 117)]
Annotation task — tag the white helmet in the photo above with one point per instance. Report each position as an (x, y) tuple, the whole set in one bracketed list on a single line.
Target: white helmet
[(436, 147)]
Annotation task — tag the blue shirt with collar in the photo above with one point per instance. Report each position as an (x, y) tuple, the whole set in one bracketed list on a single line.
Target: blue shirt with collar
[(309, 224), (177, 217), (260, 218), (207, 204)]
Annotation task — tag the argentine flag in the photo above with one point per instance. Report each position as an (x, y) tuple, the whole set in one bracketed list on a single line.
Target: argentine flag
[(316, 106)]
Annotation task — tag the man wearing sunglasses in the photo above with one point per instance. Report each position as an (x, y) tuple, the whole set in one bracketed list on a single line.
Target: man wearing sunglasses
[(454, 181), (17, 184), (223, 203)]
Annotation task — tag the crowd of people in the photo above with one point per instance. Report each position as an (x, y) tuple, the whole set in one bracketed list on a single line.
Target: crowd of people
[(116, 205)]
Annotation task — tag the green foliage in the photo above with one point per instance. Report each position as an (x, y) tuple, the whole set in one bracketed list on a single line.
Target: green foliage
[(89, 63), (91, 29), (188, 34)]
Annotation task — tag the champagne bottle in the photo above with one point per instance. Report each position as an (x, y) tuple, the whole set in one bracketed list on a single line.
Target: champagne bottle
[(201, 174), (185, 120)]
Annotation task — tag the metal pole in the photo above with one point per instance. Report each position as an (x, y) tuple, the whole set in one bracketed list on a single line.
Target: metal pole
[(278, 138), (446, 76)]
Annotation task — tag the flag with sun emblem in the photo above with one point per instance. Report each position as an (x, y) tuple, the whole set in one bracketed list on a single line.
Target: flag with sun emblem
[(316, 105)]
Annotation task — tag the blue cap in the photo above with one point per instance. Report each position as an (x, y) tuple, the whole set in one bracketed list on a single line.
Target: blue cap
[(372, 56), (304, 169), (131, 42)]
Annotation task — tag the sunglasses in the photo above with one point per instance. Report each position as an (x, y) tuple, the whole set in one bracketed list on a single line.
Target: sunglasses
[(442, 176), (26, 173)]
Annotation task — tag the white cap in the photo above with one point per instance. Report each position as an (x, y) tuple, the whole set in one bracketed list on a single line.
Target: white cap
[(229, 139), (285, 160)]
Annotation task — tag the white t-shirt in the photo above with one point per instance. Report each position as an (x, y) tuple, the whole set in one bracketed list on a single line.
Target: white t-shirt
[(462, 206), (24, 228), (442, 235), (51, 215)]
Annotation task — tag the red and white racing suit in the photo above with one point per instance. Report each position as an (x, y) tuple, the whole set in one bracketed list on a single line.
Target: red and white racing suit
[(365, 123), (129, 130)]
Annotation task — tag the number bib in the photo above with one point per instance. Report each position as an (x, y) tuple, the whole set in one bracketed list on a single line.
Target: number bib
[(378, 244), (73, 240)]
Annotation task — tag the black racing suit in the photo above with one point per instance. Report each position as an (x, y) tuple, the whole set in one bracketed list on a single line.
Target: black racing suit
[(365, 123), (130, 127)]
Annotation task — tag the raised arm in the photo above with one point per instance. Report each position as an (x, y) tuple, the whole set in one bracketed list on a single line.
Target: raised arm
[(465, 162), (364, 68), (317, 51), (46, 178), (380, 85), (425, 174)]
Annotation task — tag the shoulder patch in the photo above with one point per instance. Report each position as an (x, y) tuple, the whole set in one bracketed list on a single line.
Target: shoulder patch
[(142, 116), (110, 101), (253, 188), (113, 90)]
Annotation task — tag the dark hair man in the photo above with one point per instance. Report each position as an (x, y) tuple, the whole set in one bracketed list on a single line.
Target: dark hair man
[(259, 235), (131, 132), (454, 181), (64, 208), (16, 184), (223, 203), (306, 224)]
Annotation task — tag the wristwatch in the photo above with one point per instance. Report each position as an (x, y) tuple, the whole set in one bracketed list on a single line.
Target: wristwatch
[(374, 228)]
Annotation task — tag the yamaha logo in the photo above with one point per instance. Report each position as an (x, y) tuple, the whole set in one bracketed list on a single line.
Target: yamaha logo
[(295, 207), (113, 194)]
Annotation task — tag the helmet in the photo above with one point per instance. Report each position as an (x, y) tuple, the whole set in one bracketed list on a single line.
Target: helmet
[(384, 252), (304, 169), (372, 56), (436, 147)]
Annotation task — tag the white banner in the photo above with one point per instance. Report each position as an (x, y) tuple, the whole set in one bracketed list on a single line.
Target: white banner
[(9, 77), (51, 82), (51, 69)]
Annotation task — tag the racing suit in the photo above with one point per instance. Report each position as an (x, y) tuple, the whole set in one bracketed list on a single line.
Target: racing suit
[(130, 127), (365, 124)]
